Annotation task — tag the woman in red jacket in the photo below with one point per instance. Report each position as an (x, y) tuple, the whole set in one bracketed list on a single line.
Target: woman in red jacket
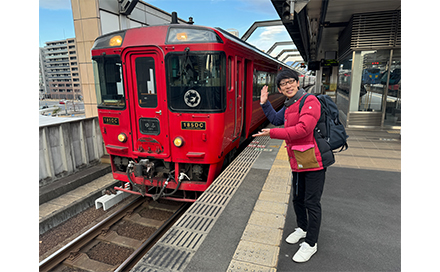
[(308, 159)]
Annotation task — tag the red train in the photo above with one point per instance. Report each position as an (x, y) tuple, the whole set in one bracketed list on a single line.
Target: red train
[(175, 102)]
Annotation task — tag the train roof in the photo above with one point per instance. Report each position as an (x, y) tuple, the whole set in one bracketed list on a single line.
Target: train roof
[(234, 38), (134, 36)]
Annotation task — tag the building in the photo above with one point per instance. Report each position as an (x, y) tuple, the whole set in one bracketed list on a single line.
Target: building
[(355, 51), (43, 91), (60, 77), (93, 18)]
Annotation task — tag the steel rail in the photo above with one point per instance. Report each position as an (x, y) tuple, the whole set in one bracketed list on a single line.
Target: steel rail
[(75, 245), (152, 239)]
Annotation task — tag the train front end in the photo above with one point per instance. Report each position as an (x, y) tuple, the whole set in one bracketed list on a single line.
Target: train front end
[(161, 107)]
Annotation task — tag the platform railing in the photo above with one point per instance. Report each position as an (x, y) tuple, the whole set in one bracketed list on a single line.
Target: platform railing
[(68, 147)]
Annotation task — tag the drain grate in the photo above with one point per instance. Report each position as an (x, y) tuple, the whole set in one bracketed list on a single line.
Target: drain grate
[(182, 238), (197, 223), (163, 258), (204, 209), (176, 248)]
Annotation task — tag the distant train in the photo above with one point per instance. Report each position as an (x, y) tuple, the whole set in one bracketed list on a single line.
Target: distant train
[(305, 80), (175, 102), (371, 76)]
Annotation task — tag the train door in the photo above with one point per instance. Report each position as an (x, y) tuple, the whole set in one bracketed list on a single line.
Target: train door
[(148, 97), (239, 89)]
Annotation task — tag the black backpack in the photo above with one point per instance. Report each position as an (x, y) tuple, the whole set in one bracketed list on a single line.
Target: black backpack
[(329, 127)]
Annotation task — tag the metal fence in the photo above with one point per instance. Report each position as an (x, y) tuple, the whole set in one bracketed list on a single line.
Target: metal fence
[(68, 147)]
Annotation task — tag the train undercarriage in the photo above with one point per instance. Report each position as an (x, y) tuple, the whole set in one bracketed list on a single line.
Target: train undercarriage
[(159, 179)]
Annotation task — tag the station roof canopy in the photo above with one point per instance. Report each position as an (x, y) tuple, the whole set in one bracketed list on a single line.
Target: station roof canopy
[(315, 29)]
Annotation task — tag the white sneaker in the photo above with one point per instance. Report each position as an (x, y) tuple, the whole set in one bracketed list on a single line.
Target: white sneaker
[(294, 237), (305, 252)]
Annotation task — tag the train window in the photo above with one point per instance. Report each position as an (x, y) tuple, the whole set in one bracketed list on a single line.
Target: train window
[(192, 35), (261, 81), (146, 83), (263, 78), (196, 81), (109, 84)]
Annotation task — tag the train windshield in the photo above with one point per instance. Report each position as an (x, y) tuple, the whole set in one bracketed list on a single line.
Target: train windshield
[(196, 81), (109, 83), (192, 35)]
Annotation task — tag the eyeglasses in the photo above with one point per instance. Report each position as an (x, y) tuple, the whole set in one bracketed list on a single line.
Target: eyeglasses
[(285, 83)]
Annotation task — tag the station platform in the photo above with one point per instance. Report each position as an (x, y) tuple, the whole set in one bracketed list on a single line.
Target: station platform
[(73, 194), (241, 221)]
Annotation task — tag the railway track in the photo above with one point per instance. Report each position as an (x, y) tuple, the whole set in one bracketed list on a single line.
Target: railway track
[(117, 242)]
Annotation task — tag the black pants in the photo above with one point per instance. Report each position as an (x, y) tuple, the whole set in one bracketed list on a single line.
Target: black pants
[(307, 191)]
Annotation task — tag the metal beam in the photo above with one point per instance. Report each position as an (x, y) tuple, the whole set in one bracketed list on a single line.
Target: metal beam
[(258, 24), (285, 51), (278, 44), (295, 28), (127, 6), (323, 14), (291, 55)]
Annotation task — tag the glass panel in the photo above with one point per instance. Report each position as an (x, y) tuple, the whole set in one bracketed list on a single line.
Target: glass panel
[(109, 83), (344, 83), (185, 35), (393, 105), (374, 75), (260, 79), (146, 83), (196, 82)]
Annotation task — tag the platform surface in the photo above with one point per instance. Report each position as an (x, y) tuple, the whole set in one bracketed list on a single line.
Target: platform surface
[(240, 224)]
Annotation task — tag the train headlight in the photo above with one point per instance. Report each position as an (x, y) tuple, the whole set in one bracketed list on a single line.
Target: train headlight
[(182, 36), (122, 137), (115, 41), (178, 141)]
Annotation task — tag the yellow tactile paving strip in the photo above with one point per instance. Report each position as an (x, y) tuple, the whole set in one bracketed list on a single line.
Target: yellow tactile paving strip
[(258, 248)]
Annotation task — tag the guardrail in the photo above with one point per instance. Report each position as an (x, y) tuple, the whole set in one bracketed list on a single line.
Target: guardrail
[(68, 147)]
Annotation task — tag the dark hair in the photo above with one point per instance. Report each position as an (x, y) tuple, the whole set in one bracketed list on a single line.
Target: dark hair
[(285, 74)]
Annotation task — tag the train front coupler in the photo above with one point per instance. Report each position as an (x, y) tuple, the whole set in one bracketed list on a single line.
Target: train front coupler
[(144, 167), (161, 194)]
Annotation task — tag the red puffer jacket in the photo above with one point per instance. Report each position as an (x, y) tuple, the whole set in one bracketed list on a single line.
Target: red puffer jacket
[(298, 133)]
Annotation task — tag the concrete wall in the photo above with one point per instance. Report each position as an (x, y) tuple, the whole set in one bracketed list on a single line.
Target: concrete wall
[(68, 147), (93, 18)]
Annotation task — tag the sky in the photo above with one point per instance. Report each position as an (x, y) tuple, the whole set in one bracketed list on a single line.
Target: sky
[(56, 21)]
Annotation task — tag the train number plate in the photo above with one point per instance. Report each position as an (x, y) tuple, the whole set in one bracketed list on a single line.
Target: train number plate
[(110, 121), (193, 125)]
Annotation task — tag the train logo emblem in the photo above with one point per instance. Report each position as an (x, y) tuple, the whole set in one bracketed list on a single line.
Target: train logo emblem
[(192, 98)]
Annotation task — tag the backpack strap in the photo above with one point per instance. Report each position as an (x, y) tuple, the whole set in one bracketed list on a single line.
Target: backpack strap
[(301, 104), (303, 100), (344, 147)]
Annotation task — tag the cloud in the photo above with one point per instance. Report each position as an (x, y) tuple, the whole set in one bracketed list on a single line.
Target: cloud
[(271, 32), (263, 38), (55, 4)]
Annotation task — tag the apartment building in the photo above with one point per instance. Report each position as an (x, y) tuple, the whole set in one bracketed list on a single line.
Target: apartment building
[(61, 70)]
